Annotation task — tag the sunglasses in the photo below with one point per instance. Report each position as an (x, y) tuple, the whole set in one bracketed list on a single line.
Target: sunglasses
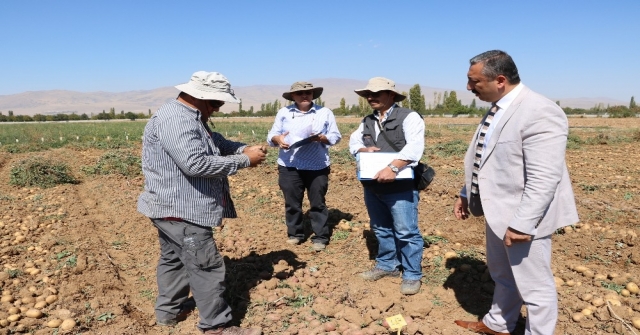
[(372, 95), (303, 93), (215, 103)]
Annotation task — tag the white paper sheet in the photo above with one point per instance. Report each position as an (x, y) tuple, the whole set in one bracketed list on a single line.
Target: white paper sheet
[(370, 163)]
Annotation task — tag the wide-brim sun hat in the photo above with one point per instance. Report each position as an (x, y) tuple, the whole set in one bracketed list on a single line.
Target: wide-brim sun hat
[(378, 84), (303, 86), (209, 86)]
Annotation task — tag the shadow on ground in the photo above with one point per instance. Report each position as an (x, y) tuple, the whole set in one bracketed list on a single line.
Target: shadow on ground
[(245, 273), (473, 287)]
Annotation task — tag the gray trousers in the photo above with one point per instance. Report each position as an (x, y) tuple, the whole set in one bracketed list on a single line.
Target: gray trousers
[(522, 274), (189, 260)]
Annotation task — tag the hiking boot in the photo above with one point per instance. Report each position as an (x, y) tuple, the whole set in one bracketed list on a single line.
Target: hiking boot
[(293, 241), (233, 331), (166, 322), (410, 287), (319, 246), (376, 273)]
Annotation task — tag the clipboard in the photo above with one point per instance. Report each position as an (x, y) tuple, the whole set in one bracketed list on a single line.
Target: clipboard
[(304, 141), (369, 163)]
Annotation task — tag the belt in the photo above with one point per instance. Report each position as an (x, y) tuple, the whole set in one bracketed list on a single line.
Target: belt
[(170, 218)]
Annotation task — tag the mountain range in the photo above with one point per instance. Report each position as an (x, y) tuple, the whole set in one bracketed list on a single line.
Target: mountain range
[(62, 101)]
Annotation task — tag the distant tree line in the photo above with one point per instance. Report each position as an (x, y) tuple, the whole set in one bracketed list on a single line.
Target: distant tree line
[(106, 116), (443, 103), (619, 111)]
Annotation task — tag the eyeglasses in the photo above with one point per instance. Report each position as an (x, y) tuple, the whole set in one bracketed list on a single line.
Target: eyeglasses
[(310, 92), (215, 103)]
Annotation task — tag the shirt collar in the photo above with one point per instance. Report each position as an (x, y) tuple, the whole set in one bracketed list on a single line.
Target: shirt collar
[(377, 112), (294, 108), (506, 100), (191, 109)]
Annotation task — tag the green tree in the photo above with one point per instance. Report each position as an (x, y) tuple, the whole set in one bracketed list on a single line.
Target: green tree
[(632, 103), (343, 104), (319, 102), (363, 107), (416, 99), (619, 111), (131, 116), (405, 103), (452, 104)]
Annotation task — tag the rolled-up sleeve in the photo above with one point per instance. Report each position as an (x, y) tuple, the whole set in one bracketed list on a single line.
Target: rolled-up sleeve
[(413, 126), (355, 140), (333, 133)]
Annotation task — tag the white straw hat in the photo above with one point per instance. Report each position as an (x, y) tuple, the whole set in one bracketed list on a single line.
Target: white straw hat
[(209, 86), (378, 84)]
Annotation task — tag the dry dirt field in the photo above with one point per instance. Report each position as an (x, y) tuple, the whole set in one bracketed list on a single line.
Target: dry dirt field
[(82, 253)]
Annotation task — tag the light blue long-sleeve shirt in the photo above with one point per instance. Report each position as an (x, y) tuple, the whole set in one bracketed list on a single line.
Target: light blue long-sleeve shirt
[(312, 156)]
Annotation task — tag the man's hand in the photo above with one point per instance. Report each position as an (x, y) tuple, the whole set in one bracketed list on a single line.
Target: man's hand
[(369, 149), (256, 153), (514, 236), (461, 208), (279, 140), (385, 176)]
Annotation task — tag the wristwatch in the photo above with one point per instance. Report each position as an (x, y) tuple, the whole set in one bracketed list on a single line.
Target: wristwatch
[(393, 168)]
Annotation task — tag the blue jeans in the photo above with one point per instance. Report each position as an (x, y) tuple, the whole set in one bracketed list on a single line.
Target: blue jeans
[(394, 220)]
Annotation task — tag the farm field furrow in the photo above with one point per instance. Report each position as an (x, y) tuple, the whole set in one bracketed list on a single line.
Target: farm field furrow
[(82, 252)]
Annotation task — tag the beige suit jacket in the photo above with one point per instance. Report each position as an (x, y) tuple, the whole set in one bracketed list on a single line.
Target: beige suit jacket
[(523, 180)]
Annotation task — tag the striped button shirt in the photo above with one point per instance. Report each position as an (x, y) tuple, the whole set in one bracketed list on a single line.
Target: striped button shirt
[(312, 156), (185, 166)]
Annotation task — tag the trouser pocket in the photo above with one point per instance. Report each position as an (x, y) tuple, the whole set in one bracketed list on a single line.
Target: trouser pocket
[(201, 249)]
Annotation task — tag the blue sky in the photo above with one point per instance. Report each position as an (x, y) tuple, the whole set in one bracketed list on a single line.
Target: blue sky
[(563, 48)]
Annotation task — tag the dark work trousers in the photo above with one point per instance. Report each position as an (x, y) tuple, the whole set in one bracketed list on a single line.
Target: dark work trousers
[(293, 183), (189, 260)]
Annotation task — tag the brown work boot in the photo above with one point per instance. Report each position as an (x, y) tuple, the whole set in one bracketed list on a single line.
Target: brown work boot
[(233, 331)]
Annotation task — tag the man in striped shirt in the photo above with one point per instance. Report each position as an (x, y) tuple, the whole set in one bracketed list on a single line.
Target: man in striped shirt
[(186, 193)]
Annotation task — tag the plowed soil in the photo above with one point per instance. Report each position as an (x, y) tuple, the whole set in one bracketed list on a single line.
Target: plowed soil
[(97, 255)]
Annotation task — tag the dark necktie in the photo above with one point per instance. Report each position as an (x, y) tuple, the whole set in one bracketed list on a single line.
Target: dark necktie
[(479, 149)]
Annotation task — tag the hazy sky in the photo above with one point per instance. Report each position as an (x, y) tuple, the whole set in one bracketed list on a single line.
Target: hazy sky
[(563, 48)]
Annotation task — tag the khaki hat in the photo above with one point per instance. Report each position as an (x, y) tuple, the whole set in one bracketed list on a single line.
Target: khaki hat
[(302, 86), (378, 84), (209, 86)]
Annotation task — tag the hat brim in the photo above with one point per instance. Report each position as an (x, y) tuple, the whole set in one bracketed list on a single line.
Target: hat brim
[(363, 92), (203, 95), (317, 92)]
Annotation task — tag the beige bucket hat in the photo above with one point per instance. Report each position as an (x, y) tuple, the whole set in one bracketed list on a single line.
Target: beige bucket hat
[(303, 86), (209, 86), (378, 84)]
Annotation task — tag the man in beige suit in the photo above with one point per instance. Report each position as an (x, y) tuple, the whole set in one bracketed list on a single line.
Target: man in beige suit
[(521, 185)]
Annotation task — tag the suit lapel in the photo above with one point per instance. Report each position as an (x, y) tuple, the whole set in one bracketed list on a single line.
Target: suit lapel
[(503, 121)]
